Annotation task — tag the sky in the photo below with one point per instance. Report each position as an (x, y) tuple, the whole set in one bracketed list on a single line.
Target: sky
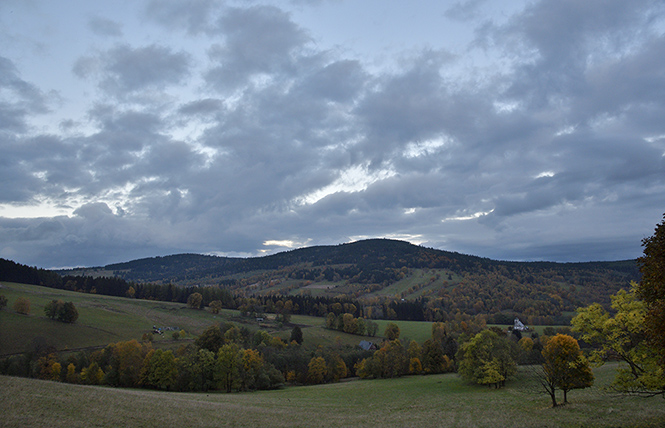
[(520, 130)]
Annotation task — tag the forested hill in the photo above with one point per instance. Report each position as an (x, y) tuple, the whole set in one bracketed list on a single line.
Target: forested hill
[(377, 257), (388, 278)]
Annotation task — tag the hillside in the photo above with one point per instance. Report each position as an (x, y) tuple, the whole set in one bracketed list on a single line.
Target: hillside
[(385, 275)]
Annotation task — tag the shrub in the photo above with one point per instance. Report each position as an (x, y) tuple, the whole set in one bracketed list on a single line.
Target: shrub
[(22, 306)]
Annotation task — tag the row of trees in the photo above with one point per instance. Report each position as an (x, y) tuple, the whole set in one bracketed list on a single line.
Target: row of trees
[(61, 311), (56, 309), (350, 324)]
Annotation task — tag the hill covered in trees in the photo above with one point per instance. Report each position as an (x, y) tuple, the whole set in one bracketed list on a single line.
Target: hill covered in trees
[(391, 279)]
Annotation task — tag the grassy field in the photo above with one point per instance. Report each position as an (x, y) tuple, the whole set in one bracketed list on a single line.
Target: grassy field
[(105, 319), (102, 319), (434, 401)]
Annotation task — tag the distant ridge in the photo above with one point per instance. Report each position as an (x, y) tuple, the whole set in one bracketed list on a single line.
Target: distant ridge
[(385, 253)]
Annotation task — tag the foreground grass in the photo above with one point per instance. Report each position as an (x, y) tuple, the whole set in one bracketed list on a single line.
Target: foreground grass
[(442, 400)]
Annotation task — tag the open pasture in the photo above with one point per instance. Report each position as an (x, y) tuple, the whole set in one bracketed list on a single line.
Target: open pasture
[(102, 319)]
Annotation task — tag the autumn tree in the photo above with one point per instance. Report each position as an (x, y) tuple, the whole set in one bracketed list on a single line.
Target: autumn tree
[(125, 360), (565, 367), (336, 368), (215, 306), (487, 359), (391, 359), (623, 336), (392, 331), (228, 365), (93, 374), (317, 369), (194, 300), (651, 289), (71, 376), (433, 358), (22, 306)]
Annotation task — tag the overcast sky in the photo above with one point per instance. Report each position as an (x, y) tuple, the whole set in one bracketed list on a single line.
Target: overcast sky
[(517, 130)]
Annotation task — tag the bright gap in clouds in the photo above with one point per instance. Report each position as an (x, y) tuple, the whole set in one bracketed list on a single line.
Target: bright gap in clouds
[(41, 210), (413, 239), (468, 217), (354, 179), (425, 148)]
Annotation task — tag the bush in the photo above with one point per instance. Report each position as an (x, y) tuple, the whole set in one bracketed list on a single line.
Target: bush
[(22, 306)]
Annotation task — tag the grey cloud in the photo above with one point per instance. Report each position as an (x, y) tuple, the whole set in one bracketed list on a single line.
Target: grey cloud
[(259, 39), (202, 107), (339, 81), (464, 10), (124, 69), (105, 27), (194, 16), (20, 98), (565, 36)]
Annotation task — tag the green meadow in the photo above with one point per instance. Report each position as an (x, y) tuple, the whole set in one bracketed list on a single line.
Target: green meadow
[(107, 319), (414, 401)]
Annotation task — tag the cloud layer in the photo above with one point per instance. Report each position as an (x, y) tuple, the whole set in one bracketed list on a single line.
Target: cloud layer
[(238, 132)]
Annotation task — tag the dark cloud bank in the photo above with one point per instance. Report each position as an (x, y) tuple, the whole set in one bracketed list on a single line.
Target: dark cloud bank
[(556, 154)]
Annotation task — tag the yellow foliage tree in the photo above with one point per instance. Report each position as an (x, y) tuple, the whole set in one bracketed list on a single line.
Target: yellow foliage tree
[(565, 366)]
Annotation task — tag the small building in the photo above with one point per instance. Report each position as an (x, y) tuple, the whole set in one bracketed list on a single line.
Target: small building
[(367, 345), (518, 326)]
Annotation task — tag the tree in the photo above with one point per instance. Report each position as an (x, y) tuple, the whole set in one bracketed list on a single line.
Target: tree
[(159, 369), (392, 331), (565, 367), (71, 376), (317, 369), (391, 359), (22, 306), (296, 335), (211, 339), (336, 368), (194, 300), (215, 306), (651, 288), (623, 336), (433, 359), (126, 361), (487, 359), (51, 308), (227, 367), (372, 328), (93, 374), (61, 311), (68, 314)]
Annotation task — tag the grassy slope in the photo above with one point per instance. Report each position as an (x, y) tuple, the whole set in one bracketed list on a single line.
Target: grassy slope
[(102, 319), (105, 319), (442, 400)]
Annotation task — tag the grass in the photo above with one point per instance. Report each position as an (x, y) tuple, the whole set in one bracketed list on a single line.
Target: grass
[(419, 331), (441, 400), (102, 319)]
